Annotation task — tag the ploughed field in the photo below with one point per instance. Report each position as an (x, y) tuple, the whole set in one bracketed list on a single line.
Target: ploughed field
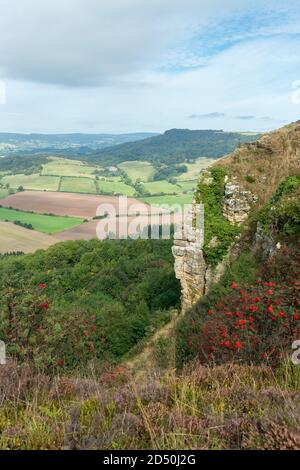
[(121, 227), (66, 204), (70, 216), (14, 238)]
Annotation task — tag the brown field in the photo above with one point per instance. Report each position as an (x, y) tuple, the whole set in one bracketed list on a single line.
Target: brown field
[(123, 225), (67, 204), (79, 205), (15, 238)]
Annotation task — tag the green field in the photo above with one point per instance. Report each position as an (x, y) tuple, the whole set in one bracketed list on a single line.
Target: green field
[(3, 193), (70, 184), (194, 169), (180, 199), (64, 167), (138, 169), (42, 223), (162, 186), (187, 185), (33, 182), (115, 186)]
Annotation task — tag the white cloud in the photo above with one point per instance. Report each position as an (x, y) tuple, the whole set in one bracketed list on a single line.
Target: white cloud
[(111, 65), (2, 92), (90, 42)]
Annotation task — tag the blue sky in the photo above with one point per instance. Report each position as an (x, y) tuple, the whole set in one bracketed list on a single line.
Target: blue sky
[(150, 65)]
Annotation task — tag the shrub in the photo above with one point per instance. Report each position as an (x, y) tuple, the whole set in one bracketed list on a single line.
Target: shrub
[(79, 302), (215, 224), (256, 322)]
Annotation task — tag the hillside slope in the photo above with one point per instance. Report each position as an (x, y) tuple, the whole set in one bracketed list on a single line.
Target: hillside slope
[(240, 283), (176, 146)]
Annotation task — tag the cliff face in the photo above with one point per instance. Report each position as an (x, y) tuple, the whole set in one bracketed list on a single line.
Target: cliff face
[(228, 191), (191, 268), (190, 265)]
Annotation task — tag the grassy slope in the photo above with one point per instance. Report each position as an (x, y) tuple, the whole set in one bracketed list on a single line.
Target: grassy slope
[(70, 184), (180, 199), (64, 167), (113, 186), (162, 186), (138, 169), (41, 223), (14, 238), (33, 182)]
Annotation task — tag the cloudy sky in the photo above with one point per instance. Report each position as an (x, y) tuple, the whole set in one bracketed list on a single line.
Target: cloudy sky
[(148, 65)]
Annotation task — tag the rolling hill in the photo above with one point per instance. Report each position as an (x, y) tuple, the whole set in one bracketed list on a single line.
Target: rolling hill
[(175, 146)]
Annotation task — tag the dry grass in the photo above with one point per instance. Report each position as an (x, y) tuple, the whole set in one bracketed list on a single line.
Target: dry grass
[(224, 407), (267, 162)]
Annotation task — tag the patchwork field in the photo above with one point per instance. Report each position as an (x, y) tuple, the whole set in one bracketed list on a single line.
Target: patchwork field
[(163, 186), (194, 169), (138, 169), (74, 176), (187, 185), (170, 200), (33, 182), (3, 193), (67, 204), (114, 185), (42, 223), (64, 167), (14, 238), (78, 185), (121, 227)]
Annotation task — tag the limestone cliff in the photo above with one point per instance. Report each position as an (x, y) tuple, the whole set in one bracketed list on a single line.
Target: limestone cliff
[(195, 273), (229, 191)]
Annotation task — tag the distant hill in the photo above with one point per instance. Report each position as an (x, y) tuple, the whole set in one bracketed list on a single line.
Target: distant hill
[(12, 144), (175, 146)]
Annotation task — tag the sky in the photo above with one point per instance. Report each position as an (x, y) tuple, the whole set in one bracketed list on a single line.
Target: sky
[(148, 65)]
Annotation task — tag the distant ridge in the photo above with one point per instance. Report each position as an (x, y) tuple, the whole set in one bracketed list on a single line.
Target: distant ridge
[(15, 143), (175, 146)]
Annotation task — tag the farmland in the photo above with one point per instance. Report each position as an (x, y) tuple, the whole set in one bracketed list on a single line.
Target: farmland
[(138, 170), (163, 186), (66, 204), (64, 167), (169, 200), (115, 185), (34, 182), (73, 188), (195, 168), (74, 176), (14, 238), (70, 184), (3, 192), (40, 222)]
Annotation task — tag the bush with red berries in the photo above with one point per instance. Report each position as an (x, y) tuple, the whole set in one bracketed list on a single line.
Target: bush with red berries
[(255, 322)]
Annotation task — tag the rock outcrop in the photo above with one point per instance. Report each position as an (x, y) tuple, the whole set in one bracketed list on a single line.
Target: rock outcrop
[(237, 202), (253, 171), (190, 266)]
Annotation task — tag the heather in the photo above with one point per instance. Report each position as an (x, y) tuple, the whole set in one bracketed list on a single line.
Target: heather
[(211, 408)]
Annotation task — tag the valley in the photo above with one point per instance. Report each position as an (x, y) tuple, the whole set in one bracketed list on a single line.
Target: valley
[(114, 333), (60, 194)]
